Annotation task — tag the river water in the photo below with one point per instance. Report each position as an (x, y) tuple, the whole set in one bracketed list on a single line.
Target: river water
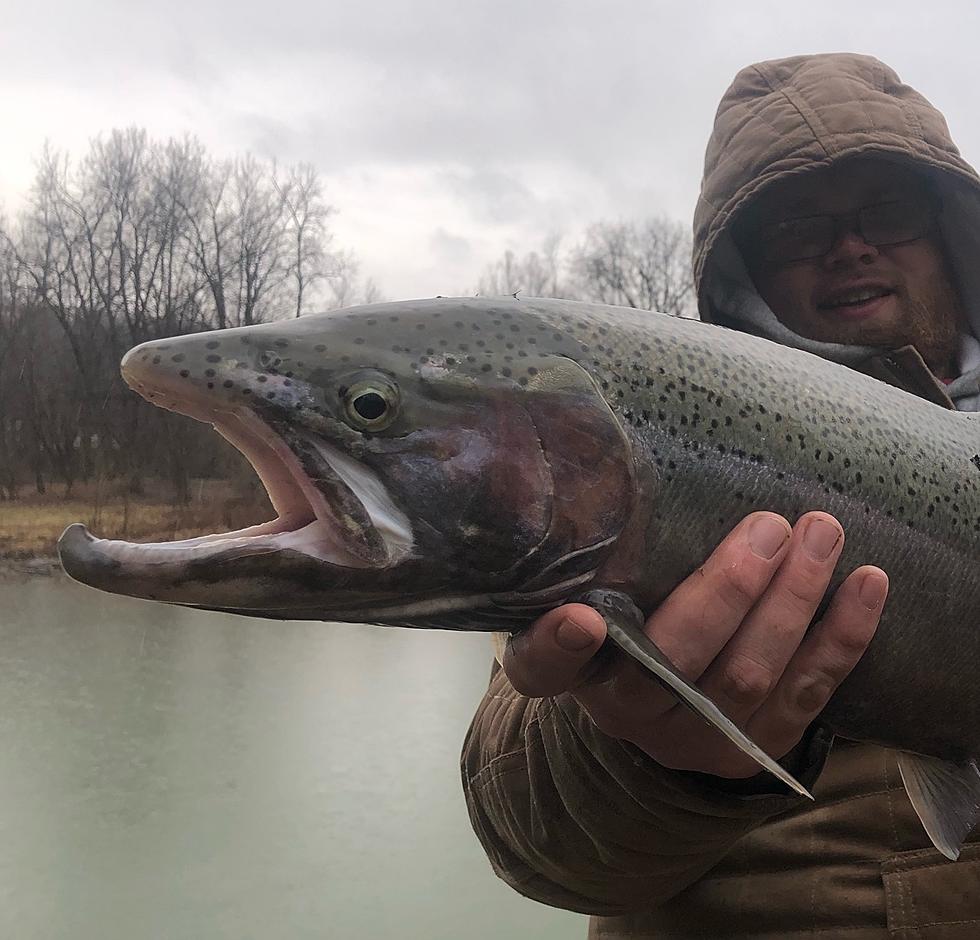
[(172, 774)]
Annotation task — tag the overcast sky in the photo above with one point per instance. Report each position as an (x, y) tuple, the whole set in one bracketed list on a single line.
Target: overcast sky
[(447, 132)]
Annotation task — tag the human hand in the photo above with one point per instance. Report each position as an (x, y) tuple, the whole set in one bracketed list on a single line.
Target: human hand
[(738, 628)]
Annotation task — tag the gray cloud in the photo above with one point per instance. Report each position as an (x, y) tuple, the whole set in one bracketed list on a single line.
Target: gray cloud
[(508, 120)]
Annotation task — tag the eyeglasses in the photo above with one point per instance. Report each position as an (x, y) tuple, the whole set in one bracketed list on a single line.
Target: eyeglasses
[(884, 223)]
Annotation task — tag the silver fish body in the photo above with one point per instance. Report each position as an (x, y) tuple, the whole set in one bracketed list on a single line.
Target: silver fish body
[(468, 463)]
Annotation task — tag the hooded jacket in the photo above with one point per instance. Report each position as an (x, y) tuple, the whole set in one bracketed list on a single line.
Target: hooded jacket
[(792, 116), (575, 819)]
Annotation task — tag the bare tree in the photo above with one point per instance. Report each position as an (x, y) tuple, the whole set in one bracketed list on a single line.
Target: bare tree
[(644, 265), (259, 238), (537, 274), (138, 240), (345, 285), (302, 197)]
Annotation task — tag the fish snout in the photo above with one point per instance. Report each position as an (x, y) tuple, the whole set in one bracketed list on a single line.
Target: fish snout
[(189, 374)]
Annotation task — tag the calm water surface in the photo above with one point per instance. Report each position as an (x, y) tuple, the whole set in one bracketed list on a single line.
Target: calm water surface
[(173, 774)]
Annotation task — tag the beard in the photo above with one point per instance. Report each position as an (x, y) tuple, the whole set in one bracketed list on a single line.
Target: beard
[(929, 317), (931, 321)]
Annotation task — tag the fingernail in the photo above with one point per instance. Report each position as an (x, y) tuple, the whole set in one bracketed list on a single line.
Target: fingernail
[(820, 539), (570, 636), (873, 589), (767, 536)]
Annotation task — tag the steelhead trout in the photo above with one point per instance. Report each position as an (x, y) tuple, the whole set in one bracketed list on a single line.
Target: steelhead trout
[(470, 463)]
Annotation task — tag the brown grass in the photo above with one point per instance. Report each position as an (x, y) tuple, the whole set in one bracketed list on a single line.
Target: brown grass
[(30, 525)]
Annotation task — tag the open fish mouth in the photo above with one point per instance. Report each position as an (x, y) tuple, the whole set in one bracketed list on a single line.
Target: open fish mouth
[(329, 506)]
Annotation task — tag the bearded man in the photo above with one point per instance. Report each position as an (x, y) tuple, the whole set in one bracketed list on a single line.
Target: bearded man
[(836, 216)]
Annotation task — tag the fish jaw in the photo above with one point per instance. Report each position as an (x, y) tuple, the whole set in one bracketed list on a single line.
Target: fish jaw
[(332, 512)]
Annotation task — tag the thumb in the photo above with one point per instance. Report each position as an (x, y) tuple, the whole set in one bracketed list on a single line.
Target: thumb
[(548, 656)]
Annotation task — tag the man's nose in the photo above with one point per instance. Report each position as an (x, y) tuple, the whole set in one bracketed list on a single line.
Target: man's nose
[(848, 248)]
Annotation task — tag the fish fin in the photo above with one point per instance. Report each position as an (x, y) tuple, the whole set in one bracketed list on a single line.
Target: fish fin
[(624, 626), (946, 797)]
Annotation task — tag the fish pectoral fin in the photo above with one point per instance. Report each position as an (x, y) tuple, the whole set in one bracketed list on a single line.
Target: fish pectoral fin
[(946, 797), (624, 625)]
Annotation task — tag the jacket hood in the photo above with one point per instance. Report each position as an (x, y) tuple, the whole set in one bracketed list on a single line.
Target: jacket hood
[(791, 116)]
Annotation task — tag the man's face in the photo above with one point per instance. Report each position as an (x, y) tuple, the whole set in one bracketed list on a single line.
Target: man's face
[(856, 293)]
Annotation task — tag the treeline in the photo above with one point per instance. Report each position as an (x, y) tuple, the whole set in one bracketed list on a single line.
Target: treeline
[(629, 264), (144, 239)]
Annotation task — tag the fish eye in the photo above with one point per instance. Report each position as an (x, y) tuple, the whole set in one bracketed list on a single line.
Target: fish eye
[(371, 405)]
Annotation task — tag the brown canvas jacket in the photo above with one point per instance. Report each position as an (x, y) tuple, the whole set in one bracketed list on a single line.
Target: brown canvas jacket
[(585, 822)]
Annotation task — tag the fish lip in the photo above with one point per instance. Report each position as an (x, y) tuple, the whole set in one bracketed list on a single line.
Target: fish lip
[(831, 298)]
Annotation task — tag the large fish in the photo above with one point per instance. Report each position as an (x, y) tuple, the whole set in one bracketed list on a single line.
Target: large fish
[(470, 463)]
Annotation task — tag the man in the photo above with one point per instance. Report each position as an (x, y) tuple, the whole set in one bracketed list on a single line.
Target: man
[(837, 216)]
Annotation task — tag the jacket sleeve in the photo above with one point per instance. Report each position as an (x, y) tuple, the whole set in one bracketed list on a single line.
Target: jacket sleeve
[(578, 820)]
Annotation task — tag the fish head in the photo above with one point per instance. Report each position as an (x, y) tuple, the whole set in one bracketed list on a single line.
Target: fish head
[(434, 463)]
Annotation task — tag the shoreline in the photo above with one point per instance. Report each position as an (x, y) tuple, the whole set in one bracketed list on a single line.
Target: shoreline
[(12, 567)]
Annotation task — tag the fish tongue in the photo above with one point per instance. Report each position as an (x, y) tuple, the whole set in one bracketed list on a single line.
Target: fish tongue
[(946, 797)]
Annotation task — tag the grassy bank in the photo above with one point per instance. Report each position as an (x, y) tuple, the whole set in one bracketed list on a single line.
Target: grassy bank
[(31, 524)]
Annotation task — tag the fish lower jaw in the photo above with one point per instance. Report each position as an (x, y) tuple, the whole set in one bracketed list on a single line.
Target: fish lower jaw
[(306, 523), (84, 555)]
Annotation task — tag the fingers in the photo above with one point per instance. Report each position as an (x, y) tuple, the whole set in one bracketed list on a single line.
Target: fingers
[(783, 701), (740, 627), (741, 678), (828, 653), (696, 621), (555, 652)]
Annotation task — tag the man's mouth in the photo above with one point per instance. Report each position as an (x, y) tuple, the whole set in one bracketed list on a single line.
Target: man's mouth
[(855, 302)]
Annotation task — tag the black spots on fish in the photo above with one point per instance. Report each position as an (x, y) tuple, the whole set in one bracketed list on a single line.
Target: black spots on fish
[(156, 360), (178, 358), (319, 348), (184, 373), (228, 383), (280, 343), (486, 367), (210, 373), (213, 358), (212, 344)]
